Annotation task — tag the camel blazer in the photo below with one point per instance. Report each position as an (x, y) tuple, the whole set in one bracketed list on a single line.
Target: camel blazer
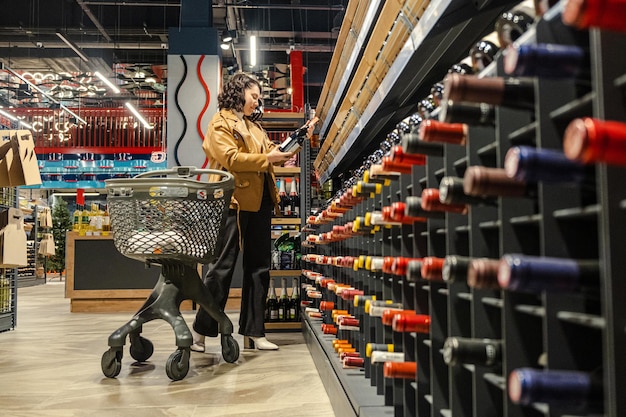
[(229, 146)]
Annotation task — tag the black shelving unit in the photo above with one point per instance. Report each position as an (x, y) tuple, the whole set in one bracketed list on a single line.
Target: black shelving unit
[(554, 331), (8, 276)]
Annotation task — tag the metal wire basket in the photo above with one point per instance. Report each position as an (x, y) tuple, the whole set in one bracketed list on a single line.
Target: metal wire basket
[(166, 215)]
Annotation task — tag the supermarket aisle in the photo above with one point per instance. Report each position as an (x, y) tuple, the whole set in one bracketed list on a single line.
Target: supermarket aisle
[(50, 366)]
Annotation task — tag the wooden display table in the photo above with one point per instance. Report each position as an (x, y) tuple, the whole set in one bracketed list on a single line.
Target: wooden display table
[(100, 279)]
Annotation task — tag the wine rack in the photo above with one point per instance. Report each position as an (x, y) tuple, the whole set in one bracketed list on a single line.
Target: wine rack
[(549, 330)]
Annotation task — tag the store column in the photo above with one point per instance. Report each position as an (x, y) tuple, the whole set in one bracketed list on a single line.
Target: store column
[(194, 78)]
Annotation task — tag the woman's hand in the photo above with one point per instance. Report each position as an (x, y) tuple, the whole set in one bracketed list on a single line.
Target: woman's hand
[(311, 127), (276, 156)]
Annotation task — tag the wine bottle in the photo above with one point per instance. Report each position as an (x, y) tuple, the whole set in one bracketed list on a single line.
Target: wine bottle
[(294, 198), (511, 92), (411, 144), (389, 165), (483, 181), (431, 202), (475, 114), (419, 323), (283, 302), (78, 219), (351, 362), (483, 53), (605, 14), (570, 389), (437, 93), (451, 193), (272, 304), (294, 308), (589, 140), (294, 142), (284, 204), (413, 208), (483, 273), (425, 107), (414, 270), (431, 268), (404, 212), (380, 347), (543, 60), (384, 356), (106, 221), (461, 68), (465, 351), (513, 24), (400, 370), (398, 155), (434, 131), (533, 273), (528, 164), (455, 268)]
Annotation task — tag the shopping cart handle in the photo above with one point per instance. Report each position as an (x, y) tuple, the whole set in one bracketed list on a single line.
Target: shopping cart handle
[(186, 172)]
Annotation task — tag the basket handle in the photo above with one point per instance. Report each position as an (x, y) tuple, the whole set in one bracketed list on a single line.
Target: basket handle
[(186, 172)]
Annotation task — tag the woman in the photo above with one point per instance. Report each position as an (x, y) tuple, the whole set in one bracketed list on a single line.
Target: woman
[(240, 146)]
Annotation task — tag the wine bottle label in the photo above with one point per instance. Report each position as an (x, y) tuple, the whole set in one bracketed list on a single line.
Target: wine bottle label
[(380, 357)]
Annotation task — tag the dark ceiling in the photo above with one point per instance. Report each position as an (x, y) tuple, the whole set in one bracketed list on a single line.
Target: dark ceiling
[(124, 37)]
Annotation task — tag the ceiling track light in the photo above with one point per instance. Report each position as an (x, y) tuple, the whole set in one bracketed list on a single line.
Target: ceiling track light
[(139, 117), (73, 46), (109, 84)]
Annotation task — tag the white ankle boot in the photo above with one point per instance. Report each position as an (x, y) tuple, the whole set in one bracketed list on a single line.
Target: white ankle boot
[(198, 341), (261, 343)]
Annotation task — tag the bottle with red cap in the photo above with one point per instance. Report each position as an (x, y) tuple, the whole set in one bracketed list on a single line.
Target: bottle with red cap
[(400, 370), (605, 14), (418, 323), (431, 202), (432, 268), (441, 132), (590, 140)]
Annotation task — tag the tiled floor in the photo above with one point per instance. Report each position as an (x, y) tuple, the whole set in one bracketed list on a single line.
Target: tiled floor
[(50, 366)]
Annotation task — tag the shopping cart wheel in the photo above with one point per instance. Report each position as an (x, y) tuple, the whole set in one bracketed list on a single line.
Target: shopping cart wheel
[(141, 349), (230, 349), (111, 363), (177, 364)]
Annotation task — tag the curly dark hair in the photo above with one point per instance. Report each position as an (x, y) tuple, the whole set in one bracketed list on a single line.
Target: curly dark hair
[(233, 96)]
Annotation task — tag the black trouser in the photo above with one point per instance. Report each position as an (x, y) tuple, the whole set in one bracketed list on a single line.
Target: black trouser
[(257, 249)]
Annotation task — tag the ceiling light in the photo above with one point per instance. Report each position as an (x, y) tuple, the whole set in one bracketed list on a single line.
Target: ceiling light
[(73, 46), (109, 84), (253, 51), (225, 46), (15, 119), (138, 116), (18, 75)]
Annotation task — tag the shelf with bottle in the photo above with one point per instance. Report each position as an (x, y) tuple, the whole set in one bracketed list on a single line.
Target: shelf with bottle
[(283, 312)]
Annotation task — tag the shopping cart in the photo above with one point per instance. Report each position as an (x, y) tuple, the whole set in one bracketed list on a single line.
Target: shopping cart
[(167, 218)]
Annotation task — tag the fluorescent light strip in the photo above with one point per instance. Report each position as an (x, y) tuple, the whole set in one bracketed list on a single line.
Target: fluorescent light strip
[(105, 80), (138, 116), (10, 116), (253, 51), (48, 96), (73, 46)]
